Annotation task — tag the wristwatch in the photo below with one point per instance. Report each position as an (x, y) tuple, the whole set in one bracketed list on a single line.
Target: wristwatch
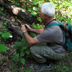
[(24, 31)]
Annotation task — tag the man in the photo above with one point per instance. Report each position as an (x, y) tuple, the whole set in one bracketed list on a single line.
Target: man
[(53, 36)]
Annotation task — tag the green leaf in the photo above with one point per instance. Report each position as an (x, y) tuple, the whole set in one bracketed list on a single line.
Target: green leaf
[(0, 33), (27, 44), (34, 13), (29, 10), (4, 27), (22, 53), (0, 37), (27, 52), (22, 60), (2, 8), (3, 47), (38, 26), (30, 4), (24, 40), (24, 47), (12, 2), (5, 23), (36, 9), (23, 4), (34, 34), (5, 35), (16, 47), (56, 16), (18, 43), (15, 57), (34, 2), (1, 13), (17, 4), (40, 2), (34, 26), (39, 19)]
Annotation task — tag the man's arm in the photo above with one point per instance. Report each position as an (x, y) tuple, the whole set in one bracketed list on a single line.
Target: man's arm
[(34, 30), (16, 11), (29, 39), (37, 30)]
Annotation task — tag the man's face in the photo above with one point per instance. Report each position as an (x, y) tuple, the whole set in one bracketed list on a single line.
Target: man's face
[(42, 16)]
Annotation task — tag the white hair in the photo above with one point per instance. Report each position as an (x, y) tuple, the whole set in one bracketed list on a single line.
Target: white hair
[(47, 8)]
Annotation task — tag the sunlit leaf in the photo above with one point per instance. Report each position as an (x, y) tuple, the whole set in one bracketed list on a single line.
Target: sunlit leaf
[(34, 26), (29, 10), (5, 35), (34, 13), (35, 8), (39, 19)]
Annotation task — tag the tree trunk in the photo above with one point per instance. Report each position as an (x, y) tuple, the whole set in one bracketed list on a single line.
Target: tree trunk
[(22, 14), (10, 25)]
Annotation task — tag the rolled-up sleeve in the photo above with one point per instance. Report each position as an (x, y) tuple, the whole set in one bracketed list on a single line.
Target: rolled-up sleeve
[(45, 36)]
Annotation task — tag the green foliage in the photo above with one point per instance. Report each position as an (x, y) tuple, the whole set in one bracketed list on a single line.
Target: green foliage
[(38, 26), (61, 68), (39, 19), (15, 57), (16, 2), (32, 8), (27, 52), (34, 13), (21, 51), (34, 26), (5, 23), (22, 60), (68, 20), (1, 13), (27, 70), (2, 8), (35, 9), (2, 48), (63, 10), (4, 34), (22, 47)]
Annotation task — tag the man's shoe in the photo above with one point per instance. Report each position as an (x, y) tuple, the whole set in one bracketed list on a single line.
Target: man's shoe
[(42, 67)]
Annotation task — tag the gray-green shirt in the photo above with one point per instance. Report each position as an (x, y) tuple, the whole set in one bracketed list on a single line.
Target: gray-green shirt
[(52, 35)]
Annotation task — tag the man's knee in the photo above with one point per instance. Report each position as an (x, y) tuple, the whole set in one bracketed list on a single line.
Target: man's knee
[(32, 49), (35, 50)]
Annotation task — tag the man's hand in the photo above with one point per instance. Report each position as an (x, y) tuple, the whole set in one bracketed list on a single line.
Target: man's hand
[(28, 27), (23, 28)]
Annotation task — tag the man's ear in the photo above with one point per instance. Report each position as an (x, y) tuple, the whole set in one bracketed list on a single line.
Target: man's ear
[(46, 16)]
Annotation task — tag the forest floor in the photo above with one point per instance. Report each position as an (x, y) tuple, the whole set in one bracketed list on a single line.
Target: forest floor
[(8, 65)]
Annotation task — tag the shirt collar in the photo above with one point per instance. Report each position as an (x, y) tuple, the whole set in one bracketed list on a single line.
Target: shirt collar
[(50, 22)]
